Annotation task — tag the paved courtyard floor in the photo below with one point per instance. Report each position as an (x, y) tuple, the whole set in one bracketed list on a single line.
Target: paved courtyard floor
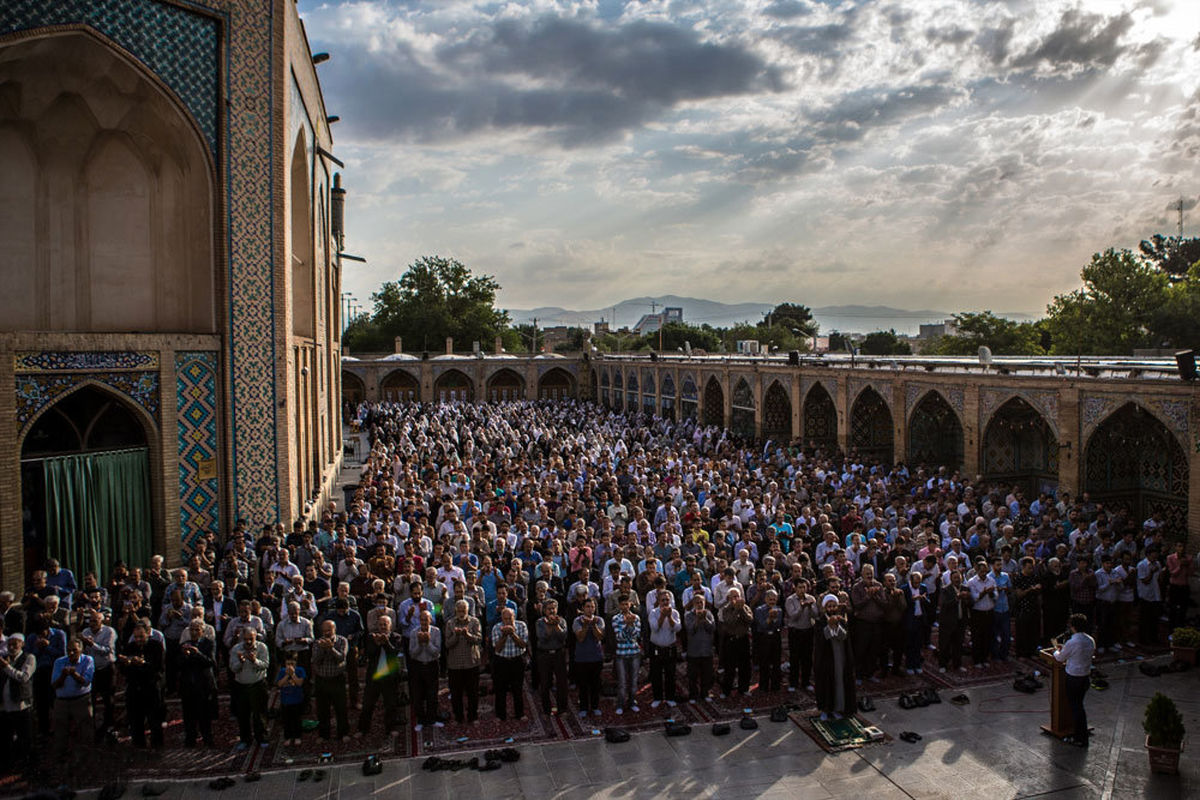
[(991, 748)]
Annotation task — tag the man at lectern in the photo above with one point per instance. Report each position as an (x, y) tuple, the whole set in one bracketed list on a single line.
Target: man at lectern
[(1076, 653)]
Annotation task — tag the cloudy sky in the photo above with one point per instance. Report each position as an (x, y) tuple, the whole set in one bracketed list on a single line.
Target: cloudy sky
[(953, 154)]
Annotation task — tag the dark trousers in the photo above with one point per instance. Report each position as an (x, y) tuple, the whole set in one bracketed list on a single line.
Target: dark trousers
[(352, 674), (700, 676), (423, 686), (587, 680), (552, 668), (43, 698), (982, 631), (102, 691), (735, 657), (145, 710), (250, 707), (508, 677), (1077, 687), (174, 655), (1028, 633), (892, 655), (1149, 612), (662, 672), (197, 716), (915, 631), (800, 654), (1177, 604), (950, 642), (1104, 624), (16, 740), (331, 694), (769, 647), (385, 690), (867, 638), (465, 683), (291, 714)]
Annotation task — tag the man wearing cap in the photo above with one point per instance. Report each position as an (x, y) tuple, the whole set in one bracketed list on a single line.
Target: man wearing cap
[(16, 691)]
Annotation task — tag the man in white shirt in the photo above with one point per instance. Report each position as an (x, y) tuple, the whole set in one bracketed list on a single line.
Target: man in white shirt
[(1149, 594), (982, 586), (1076, 654)]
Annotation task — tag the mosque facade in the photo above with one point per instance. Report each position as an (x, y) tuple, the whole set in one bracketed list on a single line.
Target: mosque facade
[(170, 322)]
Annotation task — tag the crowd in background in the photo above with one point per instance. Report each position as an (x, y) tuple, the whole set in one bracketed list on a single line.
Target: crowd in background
[(551, 544)]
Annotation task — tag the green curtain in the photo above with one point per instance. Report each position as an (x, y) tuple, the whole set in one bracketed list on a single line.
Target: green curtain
[(98, 510)]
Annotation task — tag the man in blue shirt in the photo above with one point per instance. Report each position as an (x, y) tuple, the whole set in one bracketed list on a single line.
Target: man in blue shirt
[(63, 582), (72, 682), (47, 644), (1002, 621)]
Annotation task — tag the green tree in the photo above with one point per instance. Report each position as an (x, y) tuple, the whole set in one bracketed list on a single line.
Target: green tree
[(1173, 255), (1113, 311), (1176, 323), (436, 297), (838, 342), (1004, 337), (884, 343), (791, 316)]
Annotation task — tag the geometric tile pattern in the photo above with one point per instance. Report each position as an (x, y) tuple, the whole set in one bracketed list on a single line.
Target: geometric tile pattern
[(953, 396), (76, 361), (35, 392), (196, 387), (882, 388), (991, 398), (178, 46), (252, 179)]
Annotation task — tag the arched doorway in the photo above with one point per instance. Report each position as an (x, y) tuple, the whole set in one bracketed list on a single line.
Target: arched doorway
[(741, 419), (871, 427), (1020, 448), (777, 414), (714, 403), (452, 386), (618, 389), (505, 384), (820, 422), (689, 398), (400, 387), (935, 436), (1134, 462), (556, 384), (354, 391), (667, 395), (85, 484)]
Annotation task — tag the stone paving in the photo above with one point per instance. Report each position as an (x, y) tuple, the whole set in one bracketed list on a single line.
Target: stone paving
[(991, 748)]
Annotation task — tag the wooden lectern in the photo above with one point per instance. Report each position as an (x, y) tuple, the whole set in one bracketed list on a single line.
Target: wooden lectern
[(1062, 724)]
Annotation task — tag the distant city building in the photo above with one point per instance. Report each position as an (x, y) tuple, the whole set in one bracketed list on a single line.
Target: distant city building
[(555, 336), (649, 323), (600, 328), (934, 330)]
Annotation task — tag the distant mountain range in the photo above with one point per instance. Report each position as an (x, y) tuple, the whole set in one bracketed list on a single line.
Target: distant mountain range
[(696, 311)]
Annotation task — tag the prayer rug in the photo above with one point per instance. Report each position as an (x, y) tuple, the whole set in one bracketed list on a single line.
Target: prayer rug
[(835, 735)]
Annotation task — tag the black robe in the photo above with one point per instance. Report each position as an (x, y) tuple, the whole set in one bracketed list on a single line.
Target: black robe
[(823, 676)]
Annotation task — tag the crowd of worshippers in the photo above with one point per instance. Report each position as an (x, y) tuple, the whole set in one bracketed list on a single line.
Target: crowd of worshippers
[(538, 543)]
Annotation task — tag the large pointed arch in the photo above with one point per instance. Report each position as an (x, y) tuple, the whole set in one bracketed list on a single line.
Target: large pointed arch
[(935, 434), (453, 385), (505, 384), (556, 384), (354, 391), (1133, 461), (820, 420), (1019, 447), (742, 408), (88, 490), (871, 427), (399, 386), (777, 413), (689, 396)]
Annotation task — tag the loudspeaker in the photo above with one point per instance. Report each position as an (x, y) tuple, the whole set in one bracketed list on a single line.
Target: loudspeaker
[(1185, 361), (425, 355), (794, 358), (653, 356)]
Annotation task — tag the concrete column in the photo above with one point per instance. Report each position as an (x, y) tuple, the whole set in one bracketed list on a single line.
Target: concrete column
[(971, 433), (449, 345), (398, 345)]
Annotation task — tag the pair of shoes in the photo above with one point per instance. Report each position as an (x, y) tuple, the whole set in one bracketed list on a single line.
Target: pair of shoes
[(960, 700), (418, 727), (1074, 742), (221, 784), (655, 703), (671, 704), (634, 709), (154, 789), (791, 690), (439, 724), (252, 777), (910, 737), (582, 714), (304, 775), (620, 711), (242, 746)]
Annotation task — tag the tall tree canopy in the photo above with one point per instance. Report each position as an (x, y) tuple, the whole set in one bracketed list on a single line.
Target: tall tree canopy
[(791, 316), (436, 297), (1112, 313), (1173, 255), (1004, 337)]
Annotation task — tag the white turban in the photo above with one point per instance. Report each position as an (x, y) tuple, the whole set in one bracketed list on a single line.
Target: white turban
[(827, 599)]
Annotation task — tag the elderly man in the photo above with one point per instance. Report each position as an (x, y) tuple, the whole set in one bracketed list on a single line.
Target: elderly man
[(329, 656), (16, 695), (665, 626), (198, 684), (736, 620), (294, 636), (386, 670), (424, 655), (464, 653), (71, 679), (510, 640), (249, 661)]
